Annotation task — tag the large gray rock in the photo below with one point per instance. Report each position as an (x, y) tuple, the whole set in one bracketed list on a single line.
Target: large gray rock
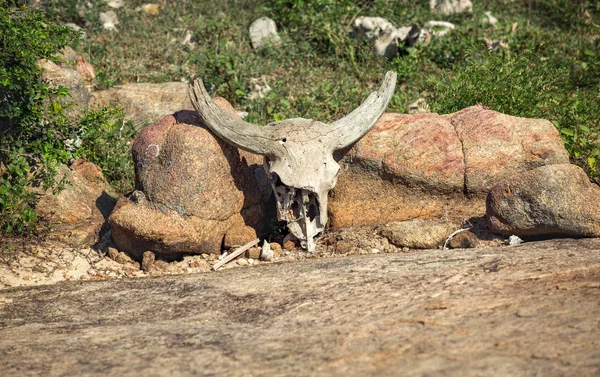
[(194, 191), (145, 102), (556, 200), (521, 311), (431, 166)]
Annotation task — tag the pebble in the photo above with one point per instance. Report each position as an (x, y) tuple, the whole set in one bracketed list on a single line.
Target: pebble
[(266, 253), (148, 259), (464, 240), (109, 20), (113, 253), (151, 9), (276, 249), (242, 262), (253, 252), (123, 258)]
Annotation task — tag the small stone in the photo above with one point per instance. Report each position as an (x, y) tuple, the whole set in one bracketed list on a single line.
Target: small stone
[(262, 31), (464, 240), (205, 256), (514, 240), (418, 234), (448, 7), (329, 239), (343, 247), (276, 249), (242, 262), (115, 4), (113, 253), (266, 253), (160, 265), (123, 258), (253, 252), (151, 9), (375, 251), (148, 259), (109, 20)]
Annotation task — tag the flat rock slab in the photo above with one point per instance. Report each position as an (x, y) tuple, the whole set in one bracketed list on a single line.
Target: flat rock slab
[(518, 311)]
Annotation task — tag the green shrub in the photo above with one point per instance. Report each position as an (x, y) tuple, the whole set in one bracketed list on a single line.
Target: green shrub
[(35, 134), (106, 141), (33, 127)]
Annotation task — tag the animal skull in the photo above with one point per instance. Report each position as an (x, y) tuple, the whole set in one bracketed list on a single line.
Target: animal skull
[(298, 153)]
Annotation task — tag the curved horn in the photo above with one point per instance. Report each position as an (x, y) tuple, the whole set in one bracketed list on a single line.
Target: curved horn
[(355, 125), (244, 135)]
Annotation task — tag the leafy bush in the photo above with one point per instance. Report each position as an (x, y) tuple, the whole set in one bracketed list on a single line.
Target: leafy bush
[(106, 141), (33, 125), (35, 134)]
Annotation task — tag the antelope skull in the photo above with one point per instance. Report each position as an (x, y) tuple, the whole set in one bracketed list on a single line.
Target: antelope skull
[(298, 153)]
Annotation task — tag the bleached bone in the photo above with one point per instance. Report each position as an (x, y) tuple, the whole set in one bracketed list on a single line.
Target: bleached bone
[(298, 153)]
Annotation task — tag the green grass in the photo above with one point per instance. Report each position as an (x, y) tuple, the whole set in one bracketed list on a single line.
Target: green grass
[(551, 68)]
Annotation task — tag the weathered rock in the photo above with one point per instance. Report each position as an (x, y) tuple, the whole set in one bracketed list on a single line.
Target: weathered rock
[(418, 234), (71, 79), (112, 253), (68, 57), (264, 31), (87, 72), (144, 102), (489, 18), (148, 261), (151, 9), (406, 167), (448, 7), (266, 254), (497, 146), (194, 192), (109, 20), (525, 311), (464, 240), (123, 258), (80, 209), (388, 38), (432, 166), (556, 200), (253, 253)]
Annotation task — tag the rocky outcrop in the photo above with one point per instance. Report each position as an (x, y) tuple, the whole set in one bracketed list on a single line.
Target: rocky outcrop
[(522, 311), (555, 200), (145, 102), (78, 212), (431, 166), (194, 191)]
